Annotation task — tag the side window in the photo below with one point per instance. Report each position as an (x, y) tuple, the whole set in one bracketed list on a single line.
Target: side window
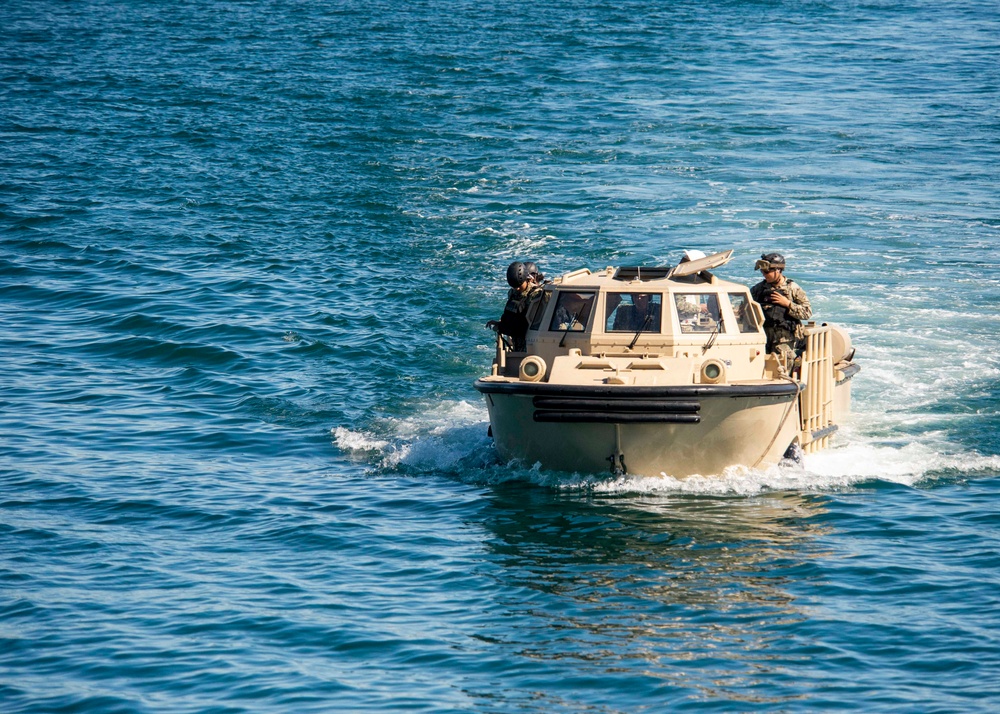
[(572, 312), (631, 312), (697, 312), (539, 305), (746, 318)]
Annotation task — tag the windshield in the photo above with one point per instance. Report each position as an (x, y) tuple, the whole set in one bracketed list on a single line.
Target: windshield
[(698, 312), (630, 312), (572, 312)]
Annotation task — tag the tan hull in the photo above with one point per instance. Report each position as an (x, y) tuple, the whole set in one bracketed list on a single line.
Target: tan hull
[(753, 431)]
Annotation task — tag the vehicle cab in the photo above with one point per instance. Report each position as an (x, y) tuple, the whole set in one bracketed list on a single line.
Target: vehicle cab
[(642, 326)]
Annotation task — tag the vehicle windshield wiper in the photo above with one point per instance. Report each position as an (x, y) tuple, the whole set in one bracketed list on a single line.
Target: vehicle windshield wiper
[(569, 327), (642, 328), (711, 338)]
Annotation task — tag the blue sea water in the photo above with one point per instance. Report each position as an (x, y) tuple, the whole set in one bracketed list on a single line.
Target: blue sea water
[(248, 250)]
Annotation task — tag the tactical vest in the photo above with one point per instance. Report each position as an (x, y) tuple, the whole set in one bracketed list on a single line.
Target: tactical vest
[(777, 320)]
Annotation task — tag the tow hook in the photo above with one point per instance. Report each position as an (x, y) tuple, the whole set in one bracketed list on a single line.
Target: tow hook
[(618, 467)]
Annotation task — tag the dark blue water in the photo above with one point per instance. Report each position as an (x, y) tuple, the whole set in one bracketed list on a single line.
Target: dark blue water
[(248, 249)]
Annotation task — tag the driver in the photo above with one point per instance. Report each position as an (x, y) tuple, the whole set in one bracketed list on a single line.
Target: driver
[(642, 313)]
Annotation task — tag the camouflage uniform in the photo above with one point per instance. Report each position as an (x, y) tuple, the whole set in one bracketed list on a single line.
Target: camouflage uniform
[(783, 325), (687, 309), (628, 318)]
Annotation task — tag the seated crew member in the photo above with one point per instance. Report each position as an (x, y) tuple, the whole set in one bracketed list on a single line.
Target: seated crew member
[(687, 309), (572, 312), (785, 306), (630, 318), (697, 312)]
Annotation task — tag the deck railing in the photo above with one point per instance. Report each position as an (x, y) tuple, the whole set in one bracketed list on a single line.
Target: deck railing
[(816, 398)]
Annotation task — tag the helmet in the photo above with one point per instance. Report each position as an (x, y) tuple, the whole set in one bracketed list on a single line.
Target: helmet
[(770, 260), (517, 273), (692, 254)]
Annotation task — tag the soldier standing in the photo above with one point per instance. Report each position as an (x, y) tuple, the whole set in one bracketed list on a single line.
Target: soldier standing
[(523, 279), (785, 306)]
